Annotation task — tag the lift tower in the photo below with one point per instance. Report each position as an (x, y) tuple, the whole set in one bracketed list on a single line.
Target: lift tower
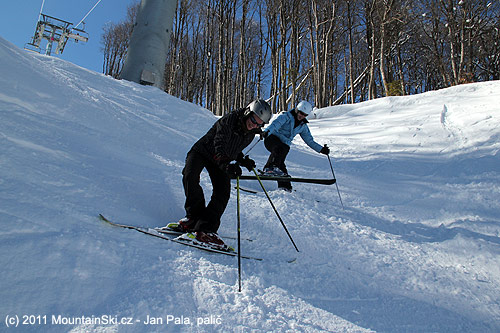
[(147, 52)]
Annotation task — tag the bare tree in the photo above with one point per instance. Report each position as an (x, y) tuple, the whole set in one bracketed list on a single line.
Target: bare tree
[(224, 53), (115, 40)]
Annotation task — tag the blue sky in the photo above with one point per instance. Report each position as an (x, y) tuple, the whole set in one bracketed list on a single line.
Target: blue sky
[(18, 22)]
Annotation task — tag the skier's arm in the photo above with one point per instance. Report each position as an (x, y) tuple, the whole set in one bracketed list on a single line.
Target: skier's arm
[(222, 137), (309, 140)]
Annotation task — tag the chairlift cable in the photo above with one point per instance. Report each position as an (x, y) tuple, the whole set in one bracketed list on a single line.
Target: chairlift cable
[(86, 15), (41, 9)]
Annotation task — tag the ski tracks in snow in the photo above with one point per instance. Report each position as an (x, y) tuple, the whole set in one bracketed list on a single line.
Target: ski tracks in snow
[(454, 130)]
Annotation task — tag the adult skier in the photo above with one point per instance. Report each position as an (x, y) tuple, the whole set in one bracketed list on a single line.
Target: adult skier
[(215, 151), (279, 136)]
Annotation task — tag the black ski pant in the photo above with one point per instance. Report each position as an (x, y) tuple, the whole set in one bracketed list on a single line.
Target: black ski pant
[(279, 152), (206, 217)]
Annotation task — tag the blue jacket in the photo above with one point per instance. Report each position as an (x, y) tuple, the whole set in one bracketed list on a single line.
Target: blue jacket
[(283, 128)]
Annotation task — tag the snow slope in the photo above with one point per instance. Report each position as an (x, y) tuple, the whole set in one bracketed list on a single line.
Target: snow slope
[(416, 248)]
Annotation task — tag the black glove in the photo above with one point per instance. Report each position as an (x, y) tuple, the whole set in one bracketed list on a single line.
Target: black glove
[(325, 150), (264, 135), (248, 163), (233, 170)]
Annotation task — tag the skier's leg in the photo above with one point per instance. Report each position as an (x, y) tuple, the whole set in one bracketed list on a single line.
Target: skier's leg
[(286, 185), (272, 143), (221, 190), (195, 199)]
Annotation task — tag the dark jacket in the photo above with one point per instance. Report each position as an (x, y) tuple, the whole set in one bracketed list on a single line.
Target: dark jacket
[(226, 139)]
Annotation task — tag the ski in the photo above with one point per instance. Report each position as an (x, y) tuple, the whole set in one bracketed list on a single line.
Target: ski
[(326, 181), (161, 230), (155, 233), (247, 190), (167, 231)]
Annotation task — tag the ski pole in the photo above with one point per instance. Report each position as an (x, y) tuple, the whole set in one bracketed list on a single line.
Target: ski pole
[(238, 231), (253, 146), (275, 210), (336, 183)]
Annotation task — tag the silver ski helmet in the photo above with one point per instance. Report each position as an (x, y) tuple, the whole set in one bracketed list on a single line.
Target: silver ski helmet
[(261, 109), (304, 107)]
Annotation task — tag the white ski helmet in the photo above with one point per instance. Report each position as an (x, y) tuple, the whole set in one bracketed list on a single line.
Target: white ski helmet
[(261, 108), (304, 107)]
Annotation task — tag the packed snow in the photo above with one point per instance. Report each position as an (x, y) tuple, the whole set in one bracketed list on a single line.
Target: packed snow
[(415, 248)]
